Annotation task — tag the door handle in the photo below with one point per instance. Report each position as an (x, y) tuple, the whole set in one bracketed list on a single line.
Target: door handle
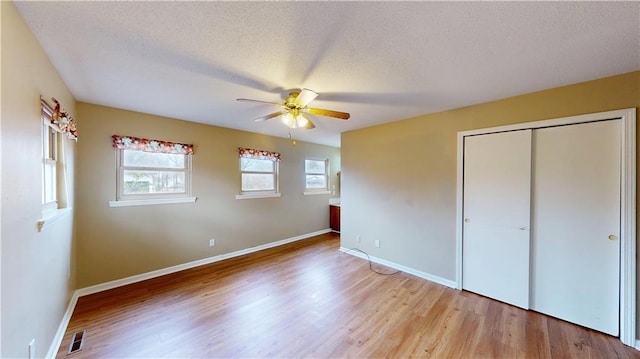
[(522, 228), (467, 220), (613, 237)]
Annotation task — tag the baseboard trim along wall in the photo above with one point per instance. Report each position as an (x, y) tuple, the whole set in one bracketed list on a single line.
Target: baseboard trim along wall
[(62, 328), (417, 273)]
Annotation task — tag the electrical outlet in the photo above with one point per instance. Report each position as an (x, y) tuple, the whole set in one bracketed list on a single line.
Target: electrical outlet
[(212, 243), (32, 349), (358, 238), (377, 243)]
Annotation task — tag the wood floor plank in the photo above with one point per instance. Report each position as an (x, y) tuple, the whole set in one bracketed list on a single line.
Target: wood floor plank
[(308, 300)]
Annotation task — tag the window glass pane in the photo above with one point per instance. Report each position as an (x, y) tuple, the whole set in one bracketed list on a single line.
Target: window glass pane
[(316, 181), (256, 165), (314, 166), (258, 182), (150, 159), (51, 143), (49, 182), (140, 182)]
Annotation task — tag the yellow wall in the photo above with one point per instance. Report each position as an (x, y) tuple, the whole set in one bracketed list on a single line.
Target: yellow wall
[(37, 267), (399, 179), (114, 243)]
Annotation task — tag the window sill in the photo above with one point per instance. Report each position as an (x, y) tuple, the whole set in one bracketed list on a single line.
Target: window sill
[(312, 193), (257, 195), (148, 202), (52, 217)]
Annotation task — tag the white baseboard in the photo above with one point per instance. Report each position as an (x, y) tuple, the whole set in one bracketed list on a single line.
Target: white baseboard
[(180, 267), (62, 328), (417, 273)]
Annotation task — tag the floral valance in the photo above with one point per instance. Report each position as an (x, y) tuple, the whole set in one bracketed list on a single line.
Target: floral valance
[(258, 154), (62, 121), (143, 144)]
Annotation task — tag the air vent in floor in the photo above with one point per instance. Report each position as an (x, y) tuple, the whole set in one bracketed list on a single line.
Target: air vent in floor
[(76, 342)]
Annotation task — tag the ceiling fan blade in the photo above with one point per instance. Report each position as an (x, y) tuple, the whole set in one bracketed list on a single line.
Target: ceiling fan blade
[(305, 97), (271, 115), (310, 125), (328, 113), (250, 100)]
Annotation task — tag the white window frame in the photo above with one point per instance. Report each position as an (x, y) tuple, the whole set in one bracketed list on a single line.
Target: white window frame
[(51, 210), (125, 200), (314, 191), (261, 193), (49, 161)]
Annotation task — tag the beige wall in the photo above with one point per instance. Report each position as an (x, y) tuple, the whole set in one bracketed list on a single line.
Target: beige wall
[(37, 269), (399, 182), (114, 243), (399, 179)]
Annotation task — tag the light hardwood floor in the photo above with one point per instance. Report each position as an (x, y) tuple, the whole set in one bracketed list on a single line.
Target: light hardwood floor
[(308, 300)]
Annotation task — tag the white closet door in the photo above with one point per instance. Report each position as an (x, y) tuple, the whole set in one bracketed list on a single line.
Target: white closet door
[(497, 176), (576, 224)]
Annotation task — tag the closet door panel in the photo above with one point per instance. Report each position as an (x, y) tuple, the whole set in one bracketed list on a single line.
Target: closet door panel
[(497, 176), (576, 224)]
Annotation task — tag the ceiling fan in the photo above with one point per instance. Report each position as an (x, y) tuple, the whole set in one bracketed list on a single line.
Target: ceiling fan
[(294, 110)]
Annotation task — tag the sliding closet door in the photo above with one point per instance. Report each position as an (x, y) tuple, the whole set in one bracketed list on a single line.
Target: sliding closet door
[(497, 176), (576, 224)]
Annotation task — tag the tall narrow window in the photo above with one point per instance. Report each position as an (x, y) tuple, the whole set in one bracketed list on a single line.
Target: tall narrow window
[(258, 174), (316, 174), (57, 127)]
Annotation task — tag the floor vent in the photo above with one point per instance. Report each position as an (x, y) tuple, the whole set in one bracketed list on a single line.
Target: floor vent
[(76, 342)]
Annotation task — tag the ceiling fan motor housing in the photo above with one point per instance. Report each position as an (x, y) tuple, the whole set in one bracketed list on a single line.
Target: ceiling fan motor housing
[(290, 102)]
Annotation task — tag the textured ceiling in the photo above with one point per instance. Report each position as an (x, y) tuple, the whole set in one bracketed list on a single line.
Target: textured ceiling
[(380, 61)]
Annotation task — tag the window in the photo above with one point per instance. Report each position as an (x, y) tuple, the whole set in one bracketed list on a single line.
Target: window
[(316, 174), (49, 166), (56, 124), (258, 174), (146, 174), (152, 172)]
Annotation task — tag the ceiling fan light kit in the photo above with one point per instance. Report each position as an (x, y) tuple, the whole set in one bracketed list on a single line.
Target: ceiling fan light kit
[(294, 119), (294, 108)]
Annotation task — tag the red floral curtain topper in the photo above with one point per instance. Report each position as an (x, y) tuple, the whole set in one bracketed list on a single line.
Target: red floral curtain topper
[(63, 122), (258, 154), (143, 144)]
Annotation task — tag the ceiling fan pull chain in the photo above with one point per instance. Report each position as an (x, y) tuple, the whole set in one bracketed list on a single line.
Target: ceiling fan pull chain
[(293, 142)]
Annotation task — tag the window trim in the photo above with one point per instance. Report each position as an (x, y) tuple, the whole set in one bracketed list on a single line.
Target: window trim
[(258, 195), (151, 201), (317, 191), (125, 200), (51, 217)]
